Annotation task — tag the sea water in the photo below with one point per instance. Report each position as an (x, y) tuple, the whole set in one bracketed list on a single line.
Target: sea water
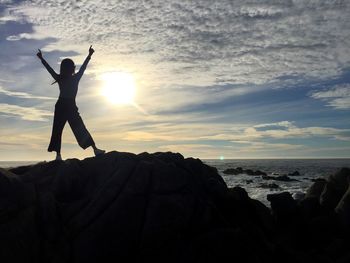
[(309, 169)]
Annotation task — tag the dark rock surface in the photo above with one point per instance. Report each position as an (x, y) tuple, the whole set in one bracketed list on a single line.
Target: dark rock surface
[(161, 207), (295, 173), (269, 186), (282, 178), (240, 170)]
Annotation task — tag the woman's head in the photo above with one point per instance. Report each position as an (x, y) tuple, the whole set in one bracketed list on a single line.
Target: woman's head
[(67, 67)]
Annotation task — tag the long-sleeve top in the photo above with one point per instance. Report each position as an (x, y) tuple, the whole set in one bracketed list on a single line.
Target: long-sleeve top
[(69, 84)]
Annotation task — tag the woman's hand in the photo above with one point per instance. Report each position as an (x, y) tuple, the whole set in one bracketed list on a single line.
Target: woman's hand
[(39, 54), (91, 50)]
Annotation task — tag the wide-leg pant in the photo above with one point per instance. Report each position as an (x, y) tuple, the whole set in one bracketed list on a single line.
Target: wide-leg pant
[(67, 110)]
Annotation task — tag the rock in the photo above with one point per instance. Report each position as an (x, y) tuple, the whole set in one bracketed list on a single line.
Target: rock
[(317, 179), (240, 170), (239, 194), (310, 207), (298, 196), (316, 189), (157, 207), (295, 173), (249, 172), (258, 172), (283, 178), (343, 209), (242, 211), (335, 188), (232, 171), (114, 207), (284, 207), (267, 177), (270, 186), (218, 246)]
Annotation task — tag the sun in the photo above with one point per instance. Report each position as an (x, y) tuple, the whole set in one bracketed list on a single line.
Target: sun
[(119, 87)]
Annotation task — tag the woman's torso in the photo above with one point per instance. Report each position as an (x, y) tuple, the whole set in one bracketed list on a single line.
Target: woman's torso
[(68, 87)]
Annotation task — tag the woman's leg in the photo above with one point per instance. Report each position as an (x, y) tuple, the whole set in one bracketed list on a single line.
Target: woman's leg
[(58, 156), (97, 151), (59, 121), (80, 132)]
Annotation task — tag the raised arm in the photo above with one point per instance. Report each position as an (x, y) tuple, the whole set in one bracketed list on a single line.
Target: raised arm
[(86, 62), (47, 66)]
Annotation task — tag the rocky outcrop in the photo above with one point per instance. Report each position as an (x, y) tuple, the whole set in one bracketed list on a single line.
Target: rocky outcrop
[(295, 173), (240, 170), (335, 188), (120, 207), (269, 186), (161, 207), (283, 178)]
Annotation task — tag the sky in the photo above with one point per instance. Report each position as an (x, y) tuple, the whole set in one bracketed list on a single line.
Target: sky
[(214, 79)]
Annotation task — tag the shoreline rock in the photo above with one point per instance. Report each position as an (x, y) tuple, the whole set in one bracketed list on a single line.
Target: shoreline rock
[(162, 207), (283, 178), (240, 170)]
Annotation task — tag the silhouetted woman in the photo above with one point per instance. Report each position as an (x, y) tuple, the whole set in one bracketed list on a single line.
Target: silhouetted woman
[(65, 108)]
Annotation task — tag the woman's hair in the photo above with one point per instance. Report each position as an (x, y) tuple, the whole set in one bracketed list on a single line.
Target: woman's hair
[(66, 69)]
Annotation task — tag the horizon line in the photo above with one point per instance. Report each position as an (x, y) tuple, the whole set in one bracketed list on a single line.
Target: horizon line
[(217, 159)]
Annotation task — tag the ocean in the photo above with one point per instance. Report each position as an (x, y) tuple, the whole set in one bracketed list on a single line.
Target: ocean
[(308, 168)]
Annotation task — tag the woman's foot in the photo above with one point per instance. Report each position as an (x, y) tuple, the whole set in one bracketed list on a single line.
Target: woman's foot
[(98, 151), (58, 157)]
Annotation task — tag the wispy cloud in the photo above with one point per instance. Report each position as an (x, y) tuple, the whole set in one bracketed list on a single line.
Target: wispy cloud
[(267, 147), (337, 97), (18, 37), (193, 150), (273, 131), (226, 42), (23, 95), (146, 136), (282, 124), (206, 72), (25, 113)]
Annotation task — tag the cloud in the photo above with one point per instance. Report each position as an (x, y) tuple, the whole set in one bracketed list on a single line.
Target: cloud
[(25, 113), (193, 150), (187, 53), (18, 37), (196, 65), (255, 149), (337, 97), (268, 147), (239, 134), (23, 95), (146, 136), (274, 126), (227, 42)]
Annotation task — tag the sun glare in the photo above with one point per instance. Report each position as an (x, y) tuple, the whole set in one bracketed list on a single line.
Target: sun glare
[(119, 87)]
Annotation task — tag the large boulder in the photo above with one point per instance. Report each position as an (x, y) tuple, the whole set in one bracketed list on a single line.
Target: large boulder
[(282, 178), (343, 209), (114, 207), (240, 170), (284, 207), (335, 188), (316, 189)]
